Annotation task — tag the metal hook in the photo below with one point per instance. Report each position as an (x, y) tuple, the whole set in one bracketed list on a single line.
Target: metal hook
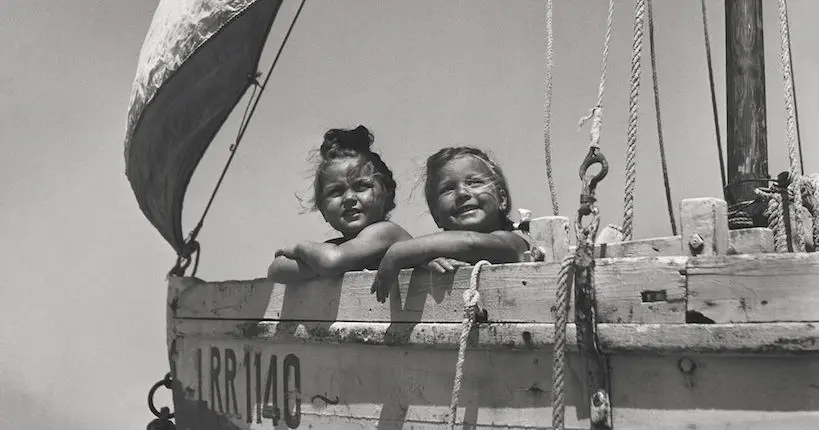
[(587, 195)]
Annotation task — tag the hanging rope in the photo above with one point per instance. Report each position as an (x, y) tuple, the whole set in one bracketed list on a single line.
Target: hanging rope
[(713, 95), (596, 112), (634, 95), (564, 285), (248, 115), (471, 299), (547, 130), (794, 158), (659, 118)]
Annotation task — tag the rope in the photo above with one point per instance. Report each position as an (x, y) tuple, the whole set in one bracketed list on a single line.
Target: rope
[(248, 115), (810, 197), (596, 112), (634, 93), (659, 119), (713, 94), (560, 346), (794, 158), (774, 214), (471, 299), (547, 130)]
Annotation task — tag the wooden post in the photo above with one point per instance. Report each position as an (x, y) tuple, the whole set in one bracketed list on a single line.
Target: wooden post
[(704, 223), (551, 234), (745, 85)]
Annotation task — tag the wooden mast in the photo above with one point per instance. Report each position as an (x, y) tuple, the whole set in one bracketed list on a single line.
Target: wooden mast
[(746, 143)]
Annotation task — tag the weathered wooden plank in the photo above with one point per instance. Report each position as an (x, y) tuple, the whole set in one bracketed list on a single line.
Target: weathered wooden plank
[(758, 338), (641, 290), (551, 235), (714, 392), (512, 292), (757, 240), (704, 226), (652, 247), (755, 288), (241, 385), (248, 383)]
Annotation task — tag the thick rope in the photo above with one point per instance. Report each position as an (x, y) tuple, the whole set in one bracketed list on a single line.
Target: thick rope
[(810, 197), (471, 299), (564, 284), (794, 158), (596, 112), (654, 79), (722, 175), (774, 214), (634, 95), (547, 129)]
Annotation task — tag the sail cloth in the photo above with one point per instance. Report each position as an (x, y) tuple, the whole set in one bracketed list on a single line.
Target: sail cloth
[(196, 62)]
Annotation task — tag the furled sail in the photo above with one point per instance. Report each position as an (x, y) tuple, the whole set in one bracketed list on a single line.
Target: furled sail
[(196, 62)]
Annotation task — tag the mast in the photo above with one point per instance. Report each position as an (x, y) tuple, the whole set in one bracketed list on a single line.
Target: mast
[(746, 143)]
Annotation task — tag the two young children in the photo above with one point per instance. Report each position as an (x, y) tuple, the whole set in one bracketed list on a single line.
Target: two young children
[(354, 190)]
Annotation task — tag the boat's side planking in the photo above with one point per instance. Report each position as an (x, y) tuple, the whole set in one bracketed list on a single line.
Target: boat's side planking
[(325, 354), (393, 366)]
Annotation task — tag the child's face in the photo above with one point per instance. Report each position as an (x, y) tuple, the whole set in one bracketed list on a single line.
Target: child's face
[(351, 198), (467, 198)]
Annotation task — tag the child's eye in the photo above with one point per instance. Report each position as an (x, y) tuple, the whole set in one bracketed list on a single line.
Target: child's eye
[(474, 182), (363, 185), (332, 192), (446, 189)]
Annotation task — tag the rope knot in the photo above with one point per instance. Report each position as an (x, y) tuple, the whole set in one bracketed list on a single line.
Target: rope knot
[(596, 116)]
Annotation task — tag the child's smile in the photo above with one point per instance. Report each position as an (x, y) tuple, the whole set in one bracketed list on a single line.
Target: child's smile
[(350, 196), (467, 197)]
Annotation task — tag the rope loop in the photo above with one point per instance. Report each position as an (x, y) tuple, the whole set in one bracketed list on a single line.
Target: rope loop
[(471, 312)]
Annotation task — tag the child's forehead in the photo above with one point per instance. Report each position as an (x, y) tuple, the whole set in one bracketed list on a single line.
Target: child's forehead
[(465, 165), (347, 168)]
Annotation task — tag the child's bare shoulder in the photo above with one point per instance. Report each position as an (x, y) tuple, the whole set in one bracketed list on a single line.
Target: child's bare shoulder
[(385, 228)]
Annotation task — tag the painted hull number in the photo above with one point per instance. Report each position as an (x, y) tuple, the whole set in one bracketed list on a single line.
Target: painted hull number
[(220, 370)]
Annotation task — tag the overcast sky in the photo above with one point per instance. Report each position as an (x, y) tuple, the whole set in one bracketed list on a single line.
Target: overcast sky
[(82, 331)]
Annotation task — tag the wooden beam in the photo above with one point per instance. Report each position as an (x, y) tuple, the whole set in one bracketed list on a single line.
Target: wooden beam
[(551, 235), (640, 290), (757, 338), (704, 224), (755, 288)]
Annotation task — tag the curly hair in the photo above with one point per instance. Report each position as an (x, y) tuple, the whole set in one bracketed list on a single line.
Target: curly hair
[(340, 144)]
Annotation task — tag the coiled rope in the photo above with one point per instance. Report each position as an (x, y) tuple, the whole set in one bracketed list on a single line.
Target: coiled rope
[(633, 115), (471, 299)]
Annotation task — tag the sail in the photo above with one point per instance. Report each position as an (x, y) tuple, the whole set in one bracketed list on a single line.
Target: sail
[(196, 62)]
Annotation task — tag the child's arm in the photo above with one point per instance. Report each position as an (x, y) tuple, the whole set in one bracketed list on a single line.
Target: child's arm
[(286, 270), (372, 242), (467, 246)]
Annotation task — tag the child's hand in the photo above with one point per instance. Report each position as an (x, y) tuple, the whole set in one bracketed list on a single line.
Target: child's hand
[(444, 264), (386, 277)]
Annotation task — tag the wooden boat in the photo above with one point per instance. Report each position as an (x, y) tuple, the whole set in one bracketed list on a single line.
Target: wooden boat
[(708, 329)]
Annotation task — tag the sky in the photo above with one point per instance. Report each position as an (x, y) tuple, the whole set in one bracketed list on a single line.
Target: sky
[(82, 273)]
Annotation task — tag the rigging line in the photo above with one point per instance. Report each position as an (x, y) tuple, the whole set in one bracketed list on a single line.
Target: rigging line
[(596, 112), (633, 118), (713, 93), (659, 118), (243, 127), (547, 129), (795, 104)]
